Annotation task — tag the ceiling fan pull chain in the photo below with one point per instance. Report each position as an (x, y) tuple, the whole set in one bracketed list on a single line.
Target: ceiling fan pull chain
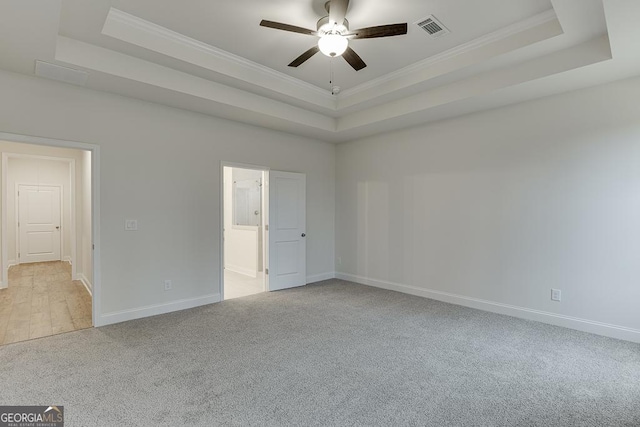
[(330, 73)]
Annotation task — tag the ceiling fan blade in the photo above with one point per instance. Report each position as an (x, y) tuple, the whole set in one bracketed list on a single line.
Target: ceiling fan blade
[(380, 31), (302, 58), (338, 11), (353, 59), (287, 27)]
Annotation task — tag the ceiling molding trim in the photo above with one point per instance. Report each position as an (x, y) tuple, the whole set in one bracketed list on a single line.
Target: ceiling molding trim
[(480, 42), (134, 30), (117, 64), (592, 52)]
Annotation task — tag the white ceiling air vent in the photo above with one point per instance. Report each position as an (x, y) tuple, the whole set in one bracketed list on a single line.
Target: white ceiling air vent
[(433, 27), (63, 74)]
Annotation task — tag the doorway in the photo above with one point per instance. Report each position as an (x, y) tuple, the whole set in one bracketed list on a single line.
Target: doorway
[(47, 250), (245, 215), (263, 227)]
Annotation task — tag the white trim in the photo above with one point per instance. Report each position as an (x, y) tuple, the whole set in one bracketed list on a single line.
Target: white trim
[(95, 207), (96, 280), (154, 310), (85, 282), (477, 43), (124, 26), (67, 259), (11, 263), (132, 29), (585, 325), (320, 277)]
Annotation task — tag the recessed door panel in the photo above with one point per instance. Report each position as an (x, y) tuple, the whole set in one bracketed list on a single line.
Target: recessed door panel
[(40, 206), (287, 201), (40, 242), (287, 258)]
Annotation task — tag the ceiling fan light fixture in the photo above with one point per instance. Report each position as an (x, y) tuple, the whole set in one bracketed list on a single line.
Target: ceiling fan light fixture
[(333, 45)]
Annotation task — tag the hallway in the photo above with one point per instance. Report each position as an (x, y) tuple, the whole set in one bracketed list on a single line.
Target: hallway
[(42, 300)]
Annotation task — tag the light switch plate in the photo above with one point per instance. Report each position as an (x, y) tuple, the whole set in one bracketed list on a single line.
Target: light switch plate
[(130, 224)]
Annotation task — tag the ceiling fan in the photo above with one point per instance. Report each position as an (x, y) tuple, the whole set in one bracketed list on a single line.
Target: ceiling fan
[(334, 34)]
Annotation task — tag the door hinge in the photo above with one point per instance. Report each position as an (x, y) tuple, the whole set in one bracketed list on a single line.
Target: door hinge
[(18, 223), (93, 247), (266, 227), (18, 254), (266, 271)]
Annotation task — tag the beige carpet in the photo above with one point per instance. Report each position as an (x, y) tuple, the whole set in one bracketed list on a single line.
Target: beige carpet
[(336, 354)]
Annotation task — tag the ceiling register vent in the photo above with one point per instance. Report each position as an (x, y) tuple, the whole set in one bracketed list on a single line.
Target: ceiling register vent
[(433, 27)]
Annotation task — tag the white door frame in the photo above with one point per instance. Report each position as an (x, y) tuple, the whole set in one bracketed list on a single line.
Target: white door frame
[(265, 221), (72, 224), (5, 194), (95, 209)]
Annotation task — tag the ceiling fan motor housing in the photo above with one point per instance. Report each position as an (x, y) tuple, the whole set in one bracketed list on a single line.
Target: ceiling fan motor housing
[(324, 27), (334, 34)]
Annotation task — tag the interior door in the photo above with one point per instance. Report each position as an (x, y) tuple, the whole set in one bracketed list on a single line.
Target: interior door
[(287, 228), (38, 223)]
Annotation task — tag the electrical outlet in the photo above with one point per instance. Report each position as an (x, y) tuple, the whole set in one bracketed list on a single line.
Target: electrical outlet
[(130, 224), (556, 294), (167, 285)]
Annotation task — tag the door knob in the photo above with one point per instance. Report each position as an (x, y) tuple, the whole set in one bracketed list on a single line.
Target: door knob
[(58, 228), (304, 235)]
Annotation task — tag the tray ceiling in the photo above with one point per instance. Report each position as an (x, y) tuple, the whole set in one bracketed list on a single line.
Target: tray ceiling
[(214, 58)]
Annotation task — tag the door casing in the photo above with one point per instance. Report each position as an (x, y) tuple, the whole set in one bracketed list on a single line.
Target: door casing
[(95, 210)]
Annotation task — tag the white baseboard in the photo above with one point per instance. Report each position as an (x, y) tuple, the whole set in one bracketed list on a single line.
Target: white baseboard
[(87, 284), (320, 277), (10, 263), (67, 259), (585, 325), (242, 270), (153, 310)]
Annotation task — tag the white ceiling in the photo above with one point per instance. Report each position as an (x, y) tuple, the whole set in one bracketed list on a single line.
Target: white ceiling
[(213, 57), (233, 27)]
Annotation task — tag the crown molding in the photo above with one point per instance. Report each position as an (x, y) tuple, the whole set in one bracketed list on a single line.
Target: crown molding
[(132, 29), (119, 65), (480, 42), (227, 63)]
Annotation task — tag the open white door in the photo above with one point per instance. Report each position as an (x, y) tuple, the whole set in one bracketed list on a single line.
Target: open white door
[(39, 223), (287, 228)]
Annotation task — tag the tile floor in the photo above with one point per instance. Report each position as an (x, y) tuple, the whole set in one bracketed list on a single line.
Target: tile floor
[(42, 300), (238, 285)]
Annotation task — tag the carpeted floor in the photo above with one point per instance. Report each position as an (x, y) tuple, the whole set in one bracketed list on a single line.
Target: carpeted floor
[(334, 353)]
